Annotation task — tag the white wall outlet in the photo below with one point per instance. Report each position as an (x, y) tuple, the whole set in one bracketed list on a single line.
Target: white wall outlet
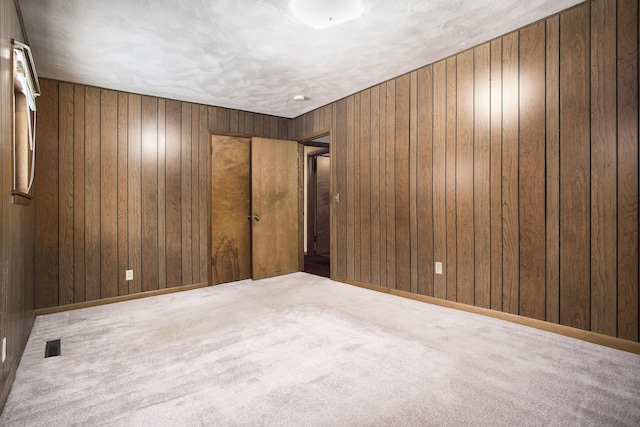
[(438, 268), (129, 275), (4, 349)]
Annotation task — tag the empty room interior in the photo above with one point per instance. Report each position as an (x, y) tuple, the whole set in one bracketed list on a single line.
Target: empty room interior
[(305, 212)]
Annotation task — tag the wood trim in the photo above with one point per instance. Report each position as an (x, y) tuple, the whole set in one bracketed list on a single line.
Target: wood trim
[(20, 198), (121, 298), (234, 134), (308, 137), (568, 331), (316, 144)]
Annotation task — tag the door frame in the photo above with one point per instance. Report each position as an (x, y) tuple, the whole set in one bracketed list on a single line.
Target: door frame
[(310, 140), (217, 132), (305, 140)]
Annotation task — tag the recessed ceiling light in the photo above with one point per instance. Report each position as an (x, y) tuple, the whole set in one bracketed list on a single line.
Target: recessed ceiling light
[(299, 98), (325, 13)]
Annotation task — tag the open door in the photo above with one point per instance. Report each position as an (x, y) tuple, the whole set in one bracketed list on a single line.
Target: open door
[(275, 207)]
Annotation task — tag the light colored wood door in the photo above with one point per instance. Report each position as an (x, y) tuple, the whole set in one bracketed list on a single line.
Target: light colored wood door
[(274, 195), (230, 206)]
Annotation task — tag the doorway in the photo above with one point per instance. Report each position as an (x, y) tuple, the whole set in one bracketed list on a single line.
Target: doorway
[(317, 239), (254, 208)]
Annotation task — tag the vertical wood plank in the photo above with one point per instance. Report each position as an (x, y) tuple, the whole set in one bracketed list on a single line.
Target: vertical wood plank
[(451, 264), (464, 180), (185, 175), (223, 120), (575, 168), (242, 120), (413, 180), (365, 186), (510, 226), (162, 204), (628, 169), (425, 181), (340, 163), (496, 174), (46, 275), (374, 160), (439, 177), (149, 131), (108, 194), (283, 127), (482, 174), (603, 169), (532, 176), (553, 169), (403, 242), (390, 183), (195, 191), (316, 119), (308, 122), (383, 184), (350, 193), (78, 194), (258, 125), (266, 127), (248, 121), (357, 246), (134, 188), (123, 197), (274, 127), (92, 193), (212, 118), (234, 121), (173, 122), (65, 193), (203, 175)]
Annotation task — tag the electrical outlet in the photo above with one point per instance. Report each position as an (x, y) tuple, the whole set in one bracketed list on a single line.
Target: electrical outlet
[(4, 349), (438, 268), (129, 275)]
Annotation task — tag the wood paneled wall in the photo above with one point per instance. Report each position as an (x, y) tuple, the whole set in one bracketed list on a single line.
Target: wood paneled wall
[(16, 221), (122, 183), (514, 163)]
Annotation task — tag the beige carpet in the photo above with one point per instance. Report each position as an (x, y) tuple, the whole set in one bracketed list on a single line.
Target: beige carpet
[(301, 350)]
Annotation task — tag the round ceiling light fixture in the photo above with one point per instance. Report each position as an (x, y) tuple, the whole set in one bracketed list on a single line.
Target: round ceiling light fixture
[(325, 13), (299, 98)]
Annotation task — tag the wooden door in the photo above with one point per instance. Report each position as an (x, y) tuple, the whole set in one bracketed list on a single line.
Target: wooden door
[(230, 206), (275, 206)]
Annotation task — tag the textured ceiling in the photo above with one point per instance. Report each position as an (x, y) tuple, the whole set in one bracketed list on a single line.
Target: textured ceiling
[(254, 55)]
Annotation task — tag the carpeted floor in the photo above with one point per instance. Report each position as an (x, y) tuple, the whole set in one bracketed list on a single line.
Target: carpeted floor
[(302, 350)]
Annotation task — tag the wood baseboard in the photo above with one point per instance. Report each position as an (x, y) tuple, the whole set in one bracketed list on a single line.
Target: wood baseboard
[(592, 337), (95, 303)]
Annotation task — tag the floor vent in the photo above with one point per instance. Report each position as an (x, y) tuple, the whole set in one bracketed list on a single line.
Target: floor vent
[(52, 349)]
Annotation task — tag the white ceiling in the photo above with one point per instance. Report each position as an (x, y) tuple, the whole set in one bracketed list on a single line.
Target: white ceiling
[(254, 55)]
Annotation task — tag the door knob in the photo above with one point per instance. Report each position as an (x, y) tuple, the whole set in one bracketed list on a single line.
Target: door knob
[(249, 217), (256, 217)]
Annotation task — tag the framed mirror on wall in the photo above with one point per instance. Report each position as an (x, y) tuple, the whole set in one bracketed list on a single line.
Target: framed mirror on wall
[(25, 90)]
